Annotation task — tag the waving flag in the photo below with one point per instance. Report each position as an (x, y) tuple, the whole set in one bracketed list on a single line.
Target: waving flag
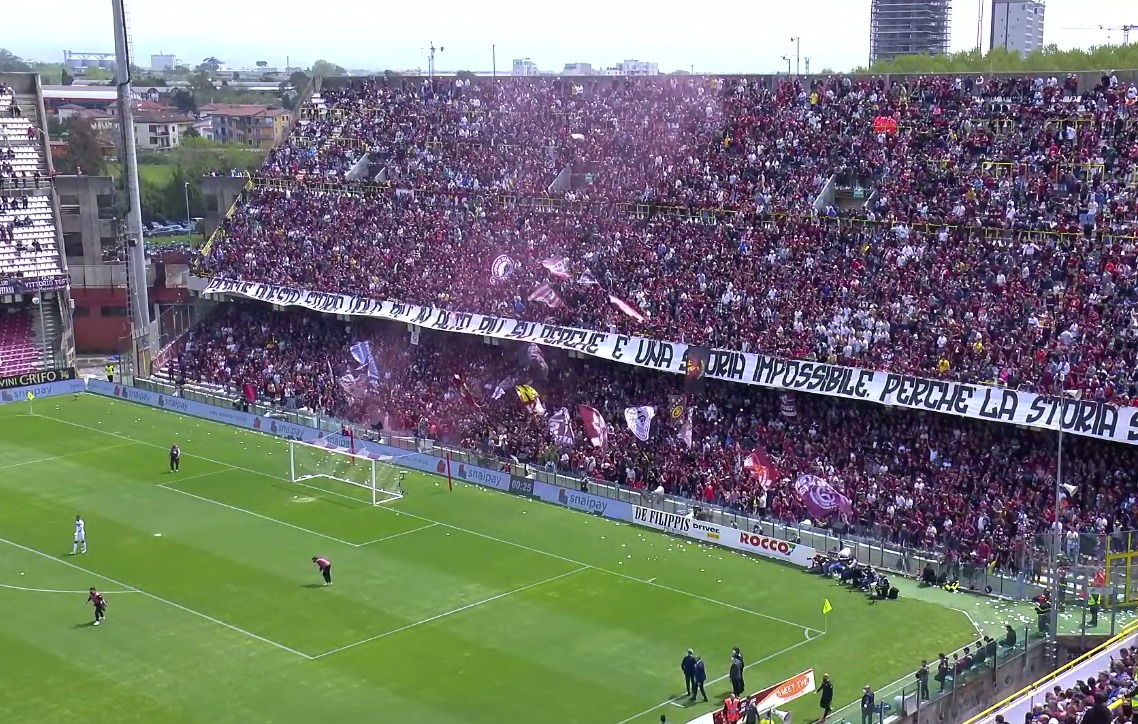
[(696, 360), (361, 353), (686, 428), (501, 268), (595, 426), (547, 295), (821, 498), (464, 390), (561, 428), (759, 466), (626, 308), (639, 421), (557, 267), (531, 400), (787, 406)]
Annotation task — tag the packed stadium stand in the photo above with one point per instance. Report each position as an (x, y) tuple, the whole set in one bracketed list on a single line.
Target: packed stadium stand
[(994, 239), (981, 490), (958, 228)]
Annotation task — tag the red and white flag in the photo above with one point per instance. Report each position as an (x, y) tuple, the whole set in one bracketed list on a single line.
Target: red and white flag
[(595, 426), (759, 466), (557, 266), (546, 295), (626, 308)]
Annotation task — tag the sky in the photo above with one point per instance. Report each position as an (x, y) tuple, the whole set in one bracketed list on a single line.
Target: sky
[(746, 36)]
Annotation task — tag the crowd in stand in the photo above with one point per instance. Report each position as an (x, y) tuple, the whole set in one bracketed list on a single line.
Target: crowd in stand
[(1089, 701), (983, 490), (996, 243)]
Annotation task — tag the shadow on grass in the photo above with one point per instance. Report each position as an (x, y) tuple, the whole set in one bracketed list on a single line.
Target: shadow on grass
[(314, 585)]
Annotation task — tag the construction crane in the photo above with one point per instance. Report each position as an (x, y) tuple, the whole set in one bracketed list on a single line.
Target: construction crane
[(1125, 29)]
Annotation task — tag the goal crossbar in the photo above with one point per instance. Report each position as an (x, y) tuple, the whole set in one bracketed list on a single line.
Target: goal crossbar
[(379, 475)]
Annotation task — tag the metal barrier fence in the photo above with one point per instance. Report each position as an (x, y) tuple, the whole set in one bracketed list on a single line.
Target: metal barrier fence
[(909, 694)]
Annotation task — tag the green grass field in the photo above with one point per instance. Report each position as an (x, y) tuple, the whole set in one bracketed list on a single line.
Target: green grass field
[(469, 606)]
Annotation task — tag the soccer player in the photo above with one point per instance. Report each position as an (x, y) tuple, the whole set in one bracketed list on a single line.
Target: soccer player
[(96, 599), (175, 457), (80, 536), (325, 567)]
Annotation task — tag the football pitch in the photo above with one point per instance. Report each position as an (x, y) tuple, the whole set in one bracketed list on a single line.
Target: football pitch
[(471, 606)]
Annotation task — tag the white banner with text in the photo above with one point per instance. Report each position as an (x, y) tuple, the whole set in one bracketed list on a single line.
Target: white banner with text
[(740, 540), (1079, 417)]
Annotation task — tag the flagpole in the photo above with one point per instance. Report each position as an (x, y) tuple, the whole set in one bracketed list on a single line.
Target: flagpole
[(31, 407)]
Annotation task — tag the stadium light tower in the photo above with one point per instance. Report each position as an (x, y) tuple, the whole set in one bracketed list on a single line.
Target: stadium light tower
[(797, 55), (431, 59), (135, 248)]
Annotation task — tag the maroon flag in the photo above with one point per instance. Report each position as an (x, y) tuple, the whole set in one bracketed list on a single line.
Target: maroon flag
[(546, 295), (821, 498), (557, 267), (758, 465), (588, 280), (595, 426), (626, 308), (464, 390)]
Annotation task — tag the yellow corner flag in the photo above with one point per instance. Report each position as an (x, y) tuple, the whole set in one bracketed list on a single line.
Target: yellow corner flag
[(826, 607), (31, 397)]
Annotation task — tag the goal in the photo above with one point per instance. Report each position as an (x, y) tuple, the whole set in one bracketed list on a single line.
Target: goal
[(380, 477)]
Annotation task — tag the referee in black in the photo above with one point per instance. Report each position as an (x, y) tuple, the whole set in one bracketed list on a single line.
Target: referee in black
[(688, 667)]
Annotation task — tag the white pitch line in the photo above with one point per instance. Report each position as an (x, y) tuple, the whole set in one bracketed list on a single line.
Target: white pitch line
[(158, 598), (396, 535), (444, 614), (67, 455), (56, 590), (676, 699), (218, 503), (485, 536)]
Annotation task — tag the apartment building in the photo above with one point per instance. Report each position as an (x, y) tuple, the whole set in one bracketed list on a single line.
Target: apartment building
[(256, 126)]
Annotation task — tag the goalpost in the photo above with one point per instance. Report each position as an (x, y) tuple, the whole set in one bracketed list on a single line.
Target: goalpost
[(380, 476)]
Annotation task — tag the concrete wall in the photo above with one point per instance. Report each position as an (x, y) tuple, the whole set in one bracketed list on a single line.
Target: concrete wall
[(83, 218), (224, 190), (984, 689)]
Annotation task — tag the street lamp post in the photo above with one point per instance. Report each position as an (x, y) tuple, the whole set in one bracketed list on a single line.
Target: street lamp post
[(787, 59), (1057, 538), (797, 55), (189, 227)]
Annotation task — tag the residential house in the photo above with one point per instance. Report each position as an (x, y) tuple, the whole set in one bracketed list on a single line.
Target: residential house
[(160, 130), (100, 121), (249, 125)]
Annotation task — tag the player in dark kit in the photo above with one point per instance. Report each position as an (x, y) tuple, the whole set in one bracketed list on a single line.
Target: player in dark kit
[(96, 599), (175, 458), (325, 567)]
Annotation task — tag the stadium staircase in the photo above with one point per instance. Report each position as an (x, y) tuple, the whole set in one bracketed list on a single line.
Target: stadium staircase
[(30, 109), (47, 330)]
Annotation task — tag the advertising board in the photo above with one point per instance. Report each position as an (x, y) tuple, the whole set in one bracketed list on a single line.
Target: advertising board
[(41, 391), (739, 540)]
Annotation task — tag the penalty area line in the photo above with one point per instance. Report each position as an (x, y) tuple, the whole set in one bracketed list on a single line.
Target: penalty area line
[(396, 535), (451, 612), (57, 590), (158, 598)]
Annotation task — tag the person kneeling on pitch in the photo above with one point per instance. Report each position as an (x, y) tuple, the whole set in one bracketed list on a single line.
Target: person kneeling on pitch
[(325, 567)]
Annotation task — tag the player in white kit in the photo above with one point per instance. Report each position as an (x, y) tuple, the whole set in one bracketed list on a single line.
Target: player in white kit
[(80, 536)]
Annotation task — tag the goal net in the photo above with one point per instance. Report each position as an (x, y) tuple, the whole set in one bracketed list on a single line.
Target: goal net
[(378, 478)]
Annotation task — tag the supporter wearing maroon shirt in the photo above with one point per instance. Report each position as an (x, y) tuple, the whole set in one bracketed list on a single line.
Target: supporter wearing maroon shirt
[(96, 599)]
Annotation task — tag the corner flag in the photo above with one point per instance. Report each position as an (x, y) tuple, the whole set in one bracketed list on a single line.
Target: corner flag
[(826, 607), (31, 397)]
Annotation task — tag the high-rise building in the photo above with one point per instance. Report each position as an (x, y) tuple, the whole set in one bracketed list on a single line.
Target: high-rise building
[(909, 27), (1017, 25)]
